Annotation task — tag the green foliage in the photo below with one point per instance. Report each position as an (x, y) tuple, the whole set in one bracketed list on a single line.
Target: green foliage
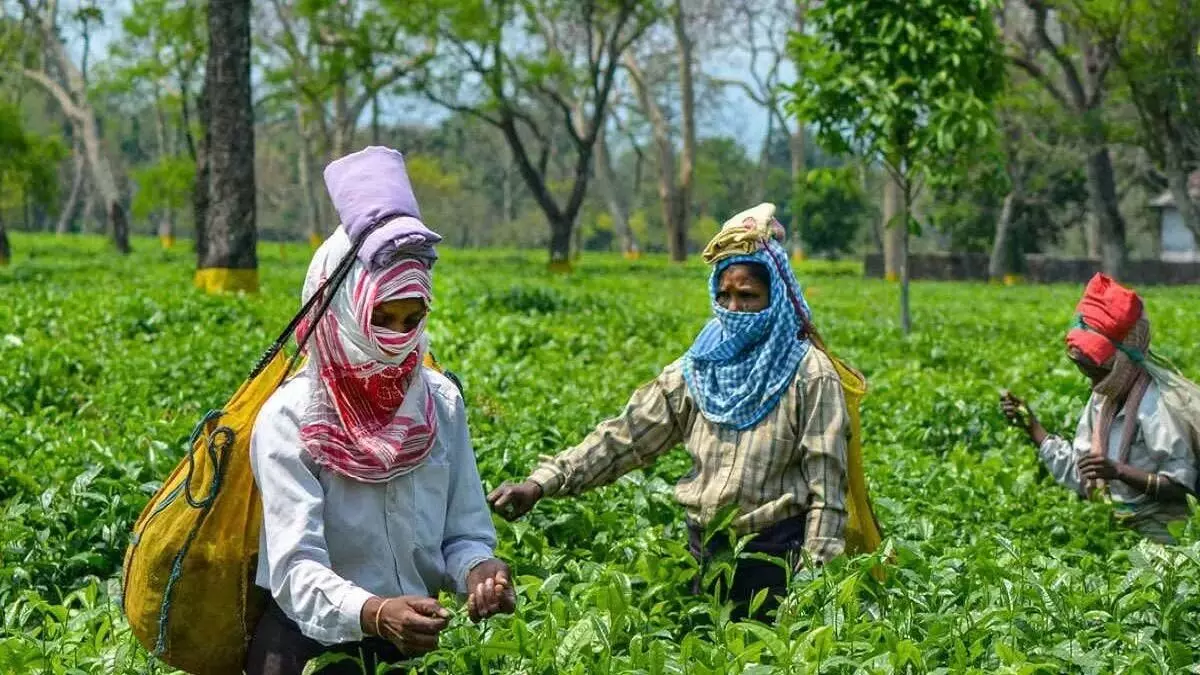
[(832, 208), (992, 568), (27, 161), (165, 184), (1159, 62), (904, 83)]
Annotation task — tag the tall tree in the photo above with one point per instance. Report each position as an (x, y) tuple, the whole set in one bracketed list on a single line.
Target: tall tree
[(27, 168), (618, 208), (761, 33), (1073, 64), (329, 60), (537, 71), (157, 63), (676, 170), (69, 90), (229, 260), (904, 84), (1160, 63)]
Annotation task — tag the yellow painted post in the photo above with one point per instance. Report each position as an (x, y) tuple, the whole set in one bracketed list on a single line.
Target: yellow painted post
[(168, 241), (561, 267), (218, 280), (314, 240)]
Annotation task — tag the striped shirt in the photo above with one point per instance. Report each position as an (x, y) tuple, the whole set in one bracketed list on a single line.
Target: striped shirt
[(792, 463)]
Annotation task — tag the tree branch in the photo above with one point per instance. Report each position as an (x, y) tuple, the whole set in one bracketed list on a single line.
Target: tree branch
[(54, 89), (1070, 73), (1035, 71)]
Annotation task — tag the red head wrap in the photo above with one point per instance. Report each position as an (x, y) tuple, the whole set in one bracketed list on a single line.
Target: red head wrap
[(1109, 311)]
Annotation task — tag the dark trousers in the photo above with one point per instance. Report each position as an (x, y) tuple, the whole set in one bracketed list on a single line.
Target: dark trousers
[(279, 648), (782, 540)]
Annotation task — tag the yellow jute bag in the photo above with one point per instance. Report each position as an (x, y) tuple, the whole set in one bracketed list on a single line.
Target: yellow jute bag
[(188, 590), (863, 533)]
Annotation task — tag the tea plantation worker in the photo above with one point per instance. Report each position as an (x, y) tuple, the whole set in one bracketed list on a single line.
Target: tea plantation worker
[(1135, 441), (760, 411), (372, 501)]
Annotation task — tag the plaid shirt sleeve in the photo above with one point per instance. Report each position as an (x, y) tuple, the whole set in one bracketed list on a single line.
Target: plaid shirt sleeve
[(651, 424), (823, 440)]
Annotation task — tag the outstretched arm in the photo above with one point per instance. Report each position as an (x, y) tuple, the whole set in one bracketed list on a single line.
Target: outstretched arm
[(652, 423)]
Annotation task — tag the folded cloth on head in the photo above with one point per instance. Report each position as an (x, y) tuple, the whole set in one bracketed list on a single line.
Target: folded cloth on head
[(745, 234), (371, 187)]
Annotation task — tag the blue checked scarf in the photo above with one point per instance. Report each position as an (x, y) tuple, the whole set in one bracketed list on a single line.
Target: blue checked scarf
[(742, 362)]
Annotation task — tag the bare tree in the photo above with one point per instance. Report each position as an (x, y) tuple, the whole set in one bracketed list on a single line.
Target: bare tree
[(762, 34), (537, 72), (676, 169), (1079, 84), (72, 97)]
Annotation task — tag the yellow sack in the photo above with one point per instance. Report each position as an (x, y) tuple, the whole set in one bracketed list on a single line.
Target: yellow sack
[(863, 534), (189, 588)]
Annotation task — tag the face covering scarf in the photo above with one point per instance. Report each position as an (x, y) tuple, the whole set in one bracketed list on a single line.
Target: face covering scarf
[(371, 416), (742, 363)]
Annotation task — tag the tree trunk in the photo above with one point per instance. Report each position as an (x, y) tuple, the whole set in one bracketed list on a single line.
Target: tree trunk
[(1177, 181), (607, 182), (894, 240), (1091, 236), (106, 184), (304, 169), (230, 260), (764, 162), (200, 188), (343, 128), (5, 249), (998, 263), (560, 245), (675, 206), (375, 132), (687, 159), (796, 150), (71, 209), (902, 228), (667, 192), (73, 100), (1102, 195), (166, 225)]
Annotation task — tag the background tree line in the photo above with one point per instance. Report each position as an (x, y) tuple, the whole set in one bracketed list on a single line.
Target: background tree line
[(594, 125)]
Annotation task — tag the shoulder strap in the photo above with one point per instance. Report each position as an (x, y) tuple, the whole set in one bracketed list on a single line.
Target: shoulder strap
[(321, 300)]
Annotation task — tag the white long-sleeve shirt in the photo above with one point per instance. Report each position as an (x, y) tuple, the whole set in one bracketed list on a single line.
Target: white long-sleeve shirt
[(1159, 446), (329, 543)]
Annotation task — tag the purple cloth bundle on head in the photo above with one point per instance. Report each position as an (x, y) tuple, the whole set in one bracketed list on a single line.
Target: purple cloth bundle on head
[(372, 186)]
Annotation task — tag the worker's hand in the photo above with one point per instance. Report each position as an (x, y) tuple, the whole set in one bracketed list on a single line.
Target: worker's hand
[(1094, 468), (490, 590), (1015, 411), (1019, 415), (513, 500), (411, 622)]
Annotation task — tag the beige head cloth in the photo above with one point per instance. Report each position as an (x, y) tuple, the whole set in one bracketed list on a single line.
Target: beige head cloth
[(745, 233)]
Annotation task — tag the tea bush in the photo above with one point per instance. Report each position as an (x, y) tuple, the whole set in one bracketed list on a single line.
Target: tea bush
[(105, 364)]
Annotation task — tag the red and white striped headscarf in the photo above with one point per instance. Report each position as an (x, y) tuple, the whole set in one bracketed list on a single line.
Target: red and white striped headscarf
[(371, 416)]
